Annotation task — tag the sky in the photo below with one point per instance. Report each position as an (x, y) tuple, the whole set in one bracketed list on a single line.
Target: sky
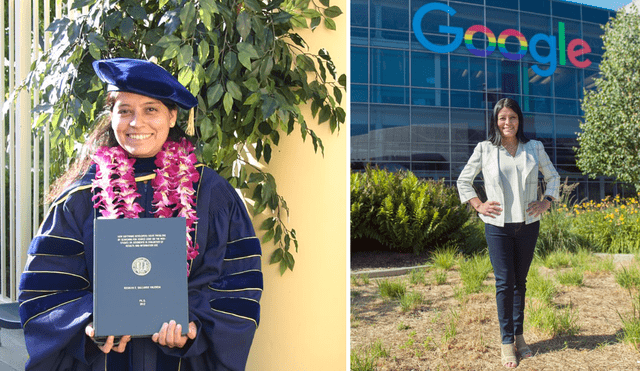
[(606, 4)]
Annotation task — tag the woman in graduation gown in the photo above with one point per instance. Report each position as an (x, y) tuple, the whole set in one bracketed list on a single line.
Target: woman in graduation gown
[(138, 163)]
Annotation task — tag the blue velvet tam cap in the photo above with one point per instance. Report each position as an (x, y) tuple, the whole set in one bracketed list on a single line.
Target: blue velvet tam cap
[(144, 78)]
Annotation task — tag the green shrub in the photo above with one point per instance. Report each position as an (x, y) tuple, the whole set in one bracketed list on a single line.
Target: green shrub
[(573, 277), (404, 213), (628, 278), (539, 287), (473, 272), (547, 319), (391, 289), (410, 301), (365, 358), (444, 257)]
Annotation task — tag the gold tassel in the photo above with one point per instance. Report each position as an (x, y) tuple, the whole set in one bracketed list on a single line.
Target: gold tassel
[(191, 125)]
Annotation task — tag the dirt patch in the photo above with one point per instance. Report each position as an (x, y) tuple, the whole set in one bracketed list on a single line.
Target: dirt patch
[(416, 340)]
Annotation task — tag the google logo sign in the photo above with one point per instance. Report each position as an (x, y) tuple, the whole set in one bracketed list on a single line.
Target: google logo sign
[(576, 47)]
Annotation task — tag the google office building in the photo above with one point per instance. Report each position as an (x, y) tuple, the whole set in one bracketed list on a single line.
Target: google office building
[(426, 74)]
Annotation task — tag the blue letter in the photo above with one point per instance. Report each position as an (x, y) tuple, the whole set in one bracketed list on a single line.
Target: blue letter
[(417, 28), (551, 58)]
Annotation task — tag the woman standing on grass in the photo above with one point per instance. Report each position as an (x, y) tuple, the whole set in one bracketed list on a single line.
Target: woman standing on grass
[(510, 163)]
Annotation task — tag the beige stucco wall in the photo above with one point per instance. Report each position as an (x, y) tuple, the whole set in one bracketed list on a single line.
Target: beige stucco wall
[(304, 317)]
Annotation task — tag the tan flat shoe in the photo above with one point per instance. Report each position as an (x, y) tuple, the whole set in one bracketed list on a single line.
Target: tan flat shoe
[(509, 359), (522, 347)]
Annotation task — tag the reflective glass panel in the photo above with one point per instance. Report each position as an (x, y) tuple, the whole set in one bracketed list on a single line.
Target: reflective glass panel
[(534, 84), (390, 39), (429, 97), (537, 104), (389, 95), (567, 106), (389, 123), (466, 16), (459, 99), (359, 63), (499, 20), (467, 126), (389, 14), (359, 36), (532, 24), (388, 67), (459, 72), (429, 70), (360, 13), (358, 93), (567, 160), (503, 76), (537, 6), (539, 127), (429, 125), (565, 10), (595, 15), (477, 76), (359, 133), (592, 35), (567, 128), (566, 82), (508, 4)]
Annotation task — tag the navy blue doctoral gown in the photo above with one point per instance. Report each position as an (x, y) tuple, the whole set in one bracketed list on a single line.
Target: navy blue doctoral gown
[(225, 284)]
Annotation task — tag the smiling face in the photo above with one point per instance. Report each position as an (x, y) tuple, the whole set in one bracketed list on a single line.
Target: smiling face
[(508, 123), (141, 124)]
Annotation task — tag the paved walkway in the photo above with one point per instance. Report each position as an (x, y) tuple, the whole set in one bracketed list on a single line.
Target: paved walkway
[(13, 354)]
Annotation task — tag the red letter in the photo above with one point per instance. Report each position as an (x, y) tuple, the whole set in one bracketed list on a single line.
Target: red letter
[(572, 53)]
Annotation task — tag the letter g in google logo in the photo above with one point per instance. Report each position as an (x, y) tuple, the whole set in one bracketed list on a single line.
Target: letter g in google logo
[(576, 47)]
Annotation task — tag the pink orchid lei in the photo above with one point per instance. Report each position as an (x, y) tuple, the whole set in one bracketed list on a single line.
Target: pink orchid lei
[(172, 187)]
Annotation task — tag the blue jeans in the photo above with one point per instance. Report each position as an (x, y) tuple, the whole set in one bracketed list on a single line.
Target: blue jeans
[(511, 251)]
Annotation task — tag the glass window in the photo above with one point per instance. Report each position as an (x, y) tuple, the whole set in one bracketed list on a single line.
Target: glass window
[(389, 95), (566, 160), (565, 10), (503, 76), (429, 70), (477, 74), (389, 124), (432, 22), (429, 125), (466, 16), (389, 14), (595, 15), (537, 6), (359, 63), (388, 67), (566, 82), (539, 127), (434, 39), (534, 84), (590, 79), (358, 93), (467, 126), (429, 97), (567, 107), (567, 128), (359, 119), (531, 25), (459, 99), (359, 13), (359, 36), (390, 39), (459, 72), (454, 3), (499, 20), (509, 4), (537, 104), (592, 34)]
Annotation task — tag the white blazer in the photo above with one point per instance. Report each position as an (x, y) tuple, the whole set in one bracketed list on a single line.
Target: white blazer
[(485, 159)]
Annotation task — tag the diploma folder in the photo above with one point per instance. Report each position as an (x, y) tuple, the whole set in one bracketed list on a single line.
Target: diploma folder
[(139, 276)]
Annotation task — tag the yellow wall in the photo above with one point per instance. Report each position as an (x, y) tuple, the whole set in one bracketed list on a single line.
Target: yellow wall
[(304, 316)]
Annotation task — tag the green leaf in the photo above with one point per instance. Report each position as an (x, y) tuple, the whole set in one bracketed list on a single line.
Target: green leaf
[(243, 24), (325, 113), (268, 223), (227, 102), (305, 62), (252, 84), (269, 106), (268, 236), (311, 13), (276, 256), (214, 93), (330, 24), (187, 18), (137, 12), (126, 28), (315, 22), (332, 11), (185, 75), (324, 2), (77, 4), (186, 53), (267, 152), (297, 21), (95, 51), (203, 52), (234, 90)]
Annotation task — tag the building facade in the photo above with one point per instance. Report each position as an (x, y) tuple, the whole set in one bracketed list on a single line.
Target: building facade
[(425, 76)]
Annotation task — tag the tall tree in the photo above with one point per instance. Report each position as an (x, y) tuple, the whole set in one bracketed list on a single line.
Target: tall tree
[(610, 137), (242, 59)]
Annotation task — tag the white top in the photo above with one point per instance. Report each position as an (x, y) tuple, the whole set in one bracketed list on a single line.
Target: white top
[(511, 168)]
